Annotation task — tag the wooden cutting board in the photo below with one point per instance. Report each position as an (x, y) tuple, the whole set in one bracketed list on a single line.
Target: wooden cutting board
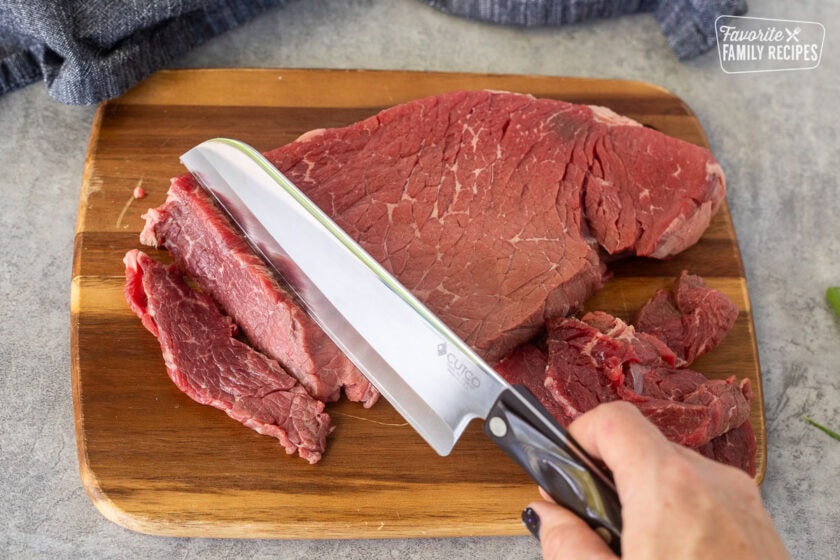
[(154, 461)]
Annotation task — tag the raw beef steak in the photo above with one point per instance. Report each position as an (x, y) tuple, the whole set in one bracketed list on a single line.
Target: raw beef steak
[(600, 359), (207, 363), (497, 210), (526, 366), (736, 447), (206, 246), (493, 207), (691, 318), (587, 367)]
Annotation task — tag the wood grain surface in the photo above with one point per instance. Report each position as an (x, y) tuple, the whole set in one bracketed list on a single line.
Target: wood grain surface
[(154, 461)]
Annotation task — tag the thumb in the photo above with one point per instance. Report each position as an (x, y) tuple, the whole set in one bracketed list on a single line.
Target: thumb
[(563, 535)]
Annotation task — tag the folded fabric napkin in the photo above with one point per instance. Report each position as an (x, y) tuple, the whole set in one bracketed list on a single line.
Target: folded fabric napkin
[(90, 50), (689, 25)]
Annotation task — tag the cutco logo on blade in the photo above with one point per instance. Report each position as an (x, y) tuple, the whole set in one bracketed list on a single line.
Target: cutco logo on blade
[(459, 368)]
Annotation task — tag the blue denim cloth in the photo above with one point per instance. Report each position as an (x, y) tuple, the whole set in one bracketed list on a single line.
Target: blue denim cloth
[(90, 50), (689, 25)]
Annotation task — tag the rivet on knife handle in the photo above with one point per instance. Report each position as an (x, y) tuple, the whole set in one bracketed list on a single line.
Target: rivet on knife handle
[(530, 436)]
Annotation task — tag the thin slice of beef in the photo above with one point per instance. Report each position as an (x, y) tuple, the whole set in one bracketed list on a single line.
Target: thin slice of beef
[(693, 418), (649, 349), (588, 364), (214, 253), (526, 366), (212, 367), (691, 318), (736, 448), (493, 207)]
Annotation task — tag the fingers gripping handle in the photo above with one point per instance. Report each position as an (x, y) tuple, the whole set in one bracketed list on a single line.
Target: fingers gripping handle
[(520, 425)]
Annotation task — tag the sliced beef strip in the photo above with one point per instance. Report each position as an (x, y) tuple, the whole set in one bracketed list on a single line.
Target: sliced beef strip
[(691, 318), (206, 362), (587, 365), (736, 447), (214, 253), (649, 349), (692, 418), (688, 408), (526, 366), (493, 207)]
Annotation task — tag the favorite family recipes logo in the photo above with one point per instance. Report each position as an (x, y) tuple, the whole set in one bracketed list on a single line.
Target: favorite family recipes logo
[(749, 44)]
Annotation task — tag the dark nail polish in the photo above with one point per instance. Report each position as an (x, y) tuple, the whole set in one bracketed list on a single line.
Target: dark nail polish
[(532, 521)]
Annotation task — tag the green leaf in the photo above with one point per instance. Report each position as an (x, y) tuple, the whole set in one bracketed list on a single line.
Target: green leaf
[(832, 433), (833, 296)]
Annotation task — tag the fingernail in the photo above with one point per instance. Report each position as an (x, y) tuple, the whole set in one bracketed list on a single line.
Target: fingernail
[(532, 521)]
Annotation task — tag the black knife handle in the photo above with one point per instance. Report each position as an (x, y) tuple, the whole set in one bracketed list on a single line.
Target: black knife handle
[(520, 425)]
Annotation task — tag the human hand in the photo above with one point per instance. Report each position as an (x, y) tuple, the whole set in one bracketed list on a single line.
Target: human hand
[(675, 502)]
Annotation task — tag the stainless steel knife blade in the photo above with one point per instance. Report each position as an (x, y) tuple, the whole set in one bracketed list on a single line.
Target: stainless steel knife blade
[(430, 376)]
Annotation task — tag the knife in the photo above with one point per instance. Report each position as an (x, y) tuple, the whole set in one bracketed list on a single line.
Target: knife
[(427, 373)]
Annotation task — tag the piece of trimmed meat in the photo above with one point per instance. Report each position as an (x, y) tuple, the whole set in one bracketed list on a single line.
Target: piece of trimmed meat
[(691, 318), (526, 366), (601, 359), (587, 366), (215, 254), (736, 447), (206, 362)]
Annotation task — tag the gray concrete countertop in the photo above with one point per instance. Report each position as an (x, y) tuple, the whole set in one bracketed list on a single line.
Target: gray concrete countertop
[(776, 136)]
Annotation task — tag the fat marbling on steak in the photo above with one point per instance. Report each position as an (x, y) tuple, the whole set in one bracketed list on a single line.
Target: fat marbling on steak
[(495, 208), (206, 362)]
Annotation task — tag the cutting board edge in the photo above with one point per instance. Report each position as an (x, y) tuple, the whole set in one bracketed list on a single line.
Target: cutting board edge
[(342, 529), (139, 94), (85, 186), (758, 390), (278, 530)]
